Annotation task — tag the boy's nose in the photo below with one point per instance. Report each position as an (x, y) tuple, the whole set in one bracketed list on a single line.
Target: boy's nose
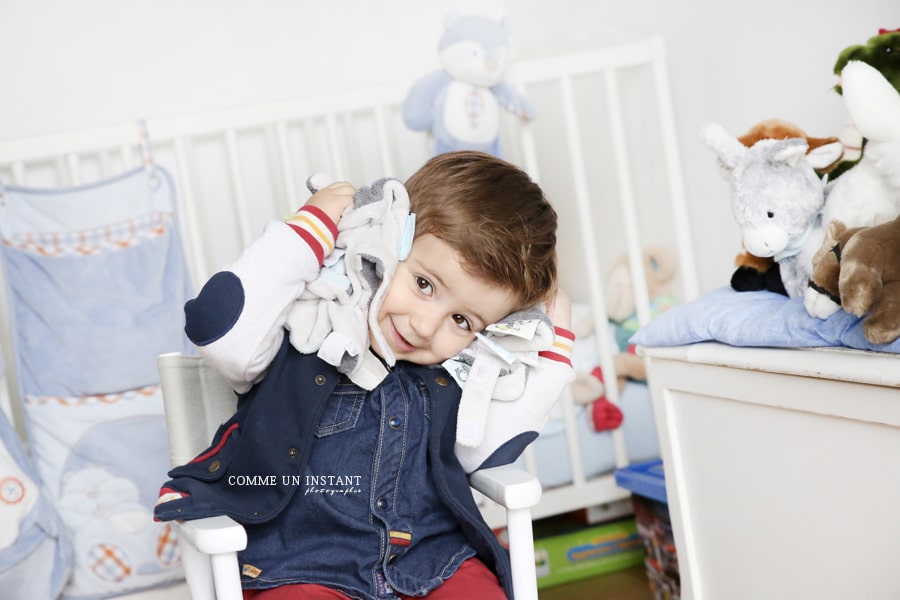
[(425, 324)]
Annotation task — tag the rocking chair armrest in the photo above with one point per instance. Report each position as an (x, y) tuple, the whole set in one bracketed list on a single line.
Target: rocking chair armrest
[(213, 535), (507, 485)]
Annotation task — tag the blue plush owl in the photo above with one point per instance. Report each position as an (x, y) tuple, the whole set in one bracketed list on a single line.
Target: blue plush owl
[(460, 103)]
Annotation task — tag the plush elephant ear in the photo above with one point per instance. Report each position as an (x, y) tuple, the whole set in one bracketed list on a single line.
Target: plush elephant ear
[(727, 147)]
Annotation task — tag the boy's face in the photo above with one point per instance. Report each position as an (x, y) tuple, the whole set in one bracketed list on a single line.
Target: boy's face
[(433, 308)]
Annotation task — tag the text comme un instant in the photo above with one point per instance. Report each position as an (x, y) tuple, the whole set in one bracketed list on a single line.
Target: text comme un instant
[(326, 481)]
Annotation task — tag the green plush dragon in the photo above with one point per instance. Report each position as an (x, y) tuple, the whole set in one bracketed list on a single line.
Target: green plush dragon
[(881, 51)]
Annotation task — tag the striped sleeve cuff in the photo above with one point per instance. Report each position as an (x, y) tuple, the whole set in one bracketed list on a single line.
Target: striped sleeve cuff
[(316, 229), (561, 351)]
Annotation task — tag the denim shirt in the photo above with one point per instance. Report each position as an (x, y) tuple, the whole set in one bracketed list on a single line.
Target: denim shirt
[(277, 425), (366, 502)]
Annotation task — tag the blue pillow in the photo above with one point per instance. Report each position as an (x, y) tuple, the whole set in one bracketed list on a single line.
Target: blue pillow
[(754, 319)]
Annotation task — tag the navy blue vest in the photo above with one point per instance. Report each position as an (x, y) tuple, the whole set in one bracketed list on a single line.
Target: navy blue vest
[(271, 434)]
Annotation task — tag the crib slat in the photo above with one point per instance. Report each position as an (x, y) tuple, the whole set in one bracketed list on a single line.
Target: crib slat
[(573, 446), (18, 173), (626, 195), (529, 154), (309, 136), (241, 210), (273, 164), (190, 212), (381, 136), (573, 140), (337, 161), (126, 154), (591, 256), (291, 199), (632, 237), (686, 262), (73, 170), (529, 148)]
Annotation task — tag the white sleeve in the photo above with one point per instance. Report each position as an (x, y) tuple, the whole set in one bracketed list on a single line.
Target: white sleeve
[(237, 320), (512, 425)]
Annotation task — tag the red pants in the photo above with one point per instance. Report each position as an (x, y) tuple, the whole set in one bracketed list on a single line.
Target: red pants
[(471, 580)]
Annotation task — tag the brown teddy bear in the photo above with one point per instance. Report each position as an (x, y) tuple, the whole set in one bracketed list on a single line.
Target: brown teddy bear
[(858, 269)]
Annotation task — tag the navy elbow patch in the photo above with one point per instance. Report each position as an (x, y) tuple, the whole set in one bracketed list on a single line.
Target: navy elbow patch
[(215, 310), (509, 451)]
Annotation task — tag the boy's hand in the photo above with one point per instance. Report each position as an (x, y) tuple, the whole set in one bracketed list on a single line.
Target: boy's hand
[(559, 309), (333, 199)]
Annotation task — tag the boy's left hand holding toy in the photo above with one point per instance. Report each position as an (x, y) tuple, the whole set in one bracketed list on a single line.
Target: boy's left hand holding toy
[(333, 199)]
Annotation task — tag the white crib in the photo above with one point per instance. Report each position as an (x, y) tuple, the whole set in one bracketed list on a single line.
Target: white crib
[(237, 169)]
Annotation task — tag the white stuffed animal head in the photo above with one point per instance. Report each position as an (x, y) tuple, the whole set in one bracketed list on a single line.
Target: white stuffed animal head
[(475, 49), (872, 102), (775, 192)]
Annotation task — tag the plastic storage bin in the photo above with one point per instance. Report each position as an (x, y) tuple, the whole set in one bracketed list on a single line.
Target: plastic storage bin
[(647, 483)]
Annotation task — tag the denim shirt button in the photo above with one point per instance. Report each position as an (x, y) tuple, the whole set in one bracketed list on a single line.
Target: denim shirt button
[(320, 380), (392, 558), (382, 503), (292, 452), (394, 422), (442, 381)]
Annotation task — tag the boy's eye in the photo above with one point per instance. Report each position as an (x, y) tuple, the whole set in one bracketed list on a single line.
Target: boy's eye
[(424, 285), (462, 322)]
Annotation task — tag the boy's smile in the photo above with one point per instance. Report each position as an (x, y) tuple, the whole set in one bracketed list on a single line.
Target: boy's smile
[(434, 308)]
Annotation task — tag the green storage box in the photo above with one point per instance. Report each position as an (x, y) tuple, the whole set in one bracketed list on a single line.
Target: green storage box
[(586, 552)]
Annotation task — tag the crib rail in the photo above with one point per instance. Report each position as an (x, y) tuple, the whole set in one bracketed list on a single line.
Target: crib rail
[(239, 168)]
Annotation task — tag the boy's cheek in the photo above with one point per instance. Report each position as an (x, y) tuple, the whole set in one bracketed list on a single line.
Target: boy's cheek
[(451, 347)]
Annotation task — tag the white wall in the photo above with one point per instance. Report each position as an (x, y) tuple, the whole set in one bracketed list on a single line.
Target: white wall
[(68, 65)]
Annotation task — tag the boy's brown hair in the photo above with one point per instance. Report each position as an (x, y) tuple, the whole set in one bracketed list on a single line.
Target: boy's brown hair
[(494, 216)]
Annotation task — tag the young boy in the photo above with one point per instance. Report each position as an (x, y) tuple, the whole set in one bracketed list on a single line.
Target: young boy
[(361, 491)]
